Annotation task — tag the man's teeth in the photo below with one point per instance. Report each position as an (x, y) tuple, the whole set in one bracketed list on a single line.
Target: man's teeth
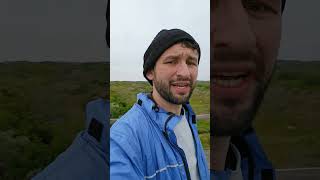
[(180, 85), (228, 81)]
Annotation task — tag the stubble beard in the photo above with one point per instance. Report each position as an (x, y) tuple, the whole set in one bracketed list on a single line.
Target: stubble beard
[(234, 125), (233, 116), (163, 88)]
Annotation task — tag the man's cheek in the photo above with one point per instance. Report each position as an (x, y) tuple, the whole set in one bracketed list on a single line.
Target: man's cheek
[(268, 51), (269, 62), (269, 46)]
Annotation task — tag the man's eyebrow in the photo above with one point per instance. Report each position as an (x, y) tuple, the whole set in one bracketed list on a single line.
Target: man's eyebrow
[(172, 56), (195, 58), (176, 56)]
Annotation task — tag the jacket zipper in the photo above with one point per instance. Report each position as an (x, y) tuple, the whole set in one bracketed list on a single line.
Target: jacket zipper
[(181, 152)]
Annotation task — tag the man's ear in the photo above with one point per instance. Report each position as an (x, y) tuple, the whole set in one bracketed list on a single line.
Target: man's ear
[(150, 75)]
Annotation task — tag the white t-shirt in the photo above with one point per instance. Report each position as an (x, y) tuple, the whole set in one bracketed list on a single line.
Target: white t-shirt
[(236, 174), (186, 143)]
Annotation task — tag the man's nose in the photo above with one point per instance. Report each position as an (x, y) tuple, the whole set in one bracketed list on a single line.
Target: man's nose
[(183, 70), (231, 27)]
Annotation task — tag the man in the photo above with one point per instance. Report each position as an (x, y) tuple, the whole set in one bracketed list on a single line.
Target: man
[(245, 40), (157, 138)]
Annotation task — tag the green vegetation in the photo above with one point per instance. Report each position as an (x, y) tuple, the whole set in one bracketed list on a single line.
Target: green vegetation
[(288, 121), (42, 110), (123, 95), (204, 133)]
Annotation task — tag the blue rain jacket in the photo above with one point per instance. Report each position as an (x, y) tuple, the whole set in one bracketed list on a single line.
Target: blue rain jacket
[(88, 156), (143, 144), (254, 162)]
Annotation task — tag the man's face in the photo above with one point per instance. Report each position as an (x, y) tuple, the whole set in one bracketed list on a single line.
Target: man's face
[(245, 38), (175, 73)]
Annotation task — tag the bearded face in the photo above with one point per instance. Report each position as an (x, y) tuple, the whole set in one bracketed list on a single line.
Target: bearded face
[(245, 38), (176, 91), (175, 73)]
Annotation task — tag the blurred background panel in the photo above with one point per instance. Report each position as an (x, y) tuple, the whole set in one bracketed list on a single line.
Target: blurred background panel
[(53, 61), (288, 122), (59, 30)]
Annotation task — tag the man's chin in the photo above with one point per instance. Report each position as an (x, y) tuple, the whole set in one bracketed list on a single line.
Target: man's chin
[(229, 126), (181, 99), (232, 117), (235, 130)]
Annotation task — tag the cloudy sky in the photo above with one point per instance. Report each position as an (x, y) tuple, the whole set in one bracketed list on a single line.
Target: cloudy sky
[(134, 23), (300, 33), (52, 30)]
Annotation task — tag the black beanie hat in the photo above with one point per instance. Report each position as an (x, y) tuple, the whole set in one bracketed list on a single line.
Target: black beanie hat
[(164, 40)]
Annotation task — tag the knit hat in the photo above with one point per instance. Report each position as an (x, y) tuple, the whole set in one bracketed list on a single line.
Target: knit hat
[(164, 40)]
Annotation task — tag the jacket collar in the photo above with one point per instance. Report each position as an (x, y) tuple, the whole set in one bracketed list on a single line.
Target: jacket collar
[(159, 115), (251, 150)]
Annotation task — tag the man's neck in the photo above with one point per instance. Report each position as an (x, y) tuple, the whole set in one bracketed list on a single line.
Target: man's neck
[(174, 108), (219, 150)]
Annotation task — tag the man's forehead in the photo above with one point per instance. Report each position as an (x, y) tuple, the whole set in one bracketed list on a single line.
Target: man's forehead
[(179, 50)]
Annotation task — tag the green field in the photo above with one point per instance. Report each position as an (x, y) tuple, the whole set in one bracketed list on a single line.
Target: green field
[(42, 110), (288, 122)]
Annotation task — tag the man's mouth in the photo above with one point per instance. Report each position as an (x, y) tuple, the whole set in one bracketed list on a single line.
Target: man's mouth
[(181, 87), (232, 80), (229, 79), (181, 84)]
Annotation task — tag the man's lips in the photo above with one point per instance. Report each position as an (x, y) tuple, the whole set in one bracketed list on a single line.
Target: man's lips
[(232, 80), (233, 67), (181, 87), (180, 83), (231, 71)]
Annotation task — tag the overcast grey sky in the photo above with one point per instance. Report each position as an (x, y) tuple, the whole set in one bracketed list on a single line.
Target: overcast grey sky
[(53, 30), (134, 23), (301, 31)]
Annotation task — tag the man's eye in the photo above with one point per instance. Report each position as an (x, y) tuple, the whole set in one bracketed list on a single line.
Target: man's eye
[(192, 63), (169, 62), (257, 6)]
